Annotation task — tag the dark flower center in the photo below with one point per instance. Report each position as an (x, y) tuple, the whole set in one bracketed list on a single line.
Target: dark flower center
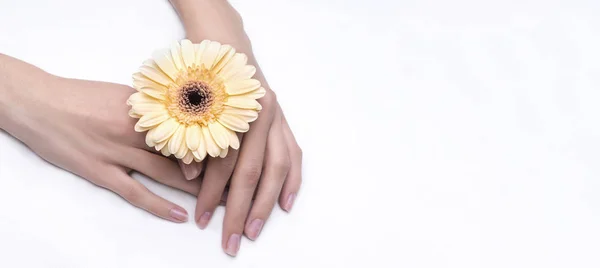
[(196, 97)]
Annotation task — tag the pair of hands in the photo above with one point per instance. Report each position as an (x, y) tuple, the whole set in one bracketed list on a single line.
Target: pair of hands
[(83, 127)]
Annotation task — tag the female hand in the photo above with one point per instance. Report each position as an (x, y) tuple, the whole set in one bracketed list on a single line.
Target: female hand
[(268, 164), (83, 127)]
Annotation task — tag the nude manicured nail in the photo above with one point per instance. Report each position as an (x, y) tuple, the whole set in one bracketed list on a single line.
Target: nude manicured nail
[(178, 214), (289, 202), (233, 244), (255, 228), (204, 219), (190, 171)]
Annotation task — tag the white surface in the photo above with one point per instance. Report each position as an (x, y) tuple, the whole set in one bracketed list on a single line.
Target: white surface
[(436, 134)]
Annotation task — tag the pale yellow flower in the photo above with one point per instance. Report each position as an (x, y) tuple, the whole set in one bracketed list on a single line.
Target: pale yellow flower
[(193, 98)]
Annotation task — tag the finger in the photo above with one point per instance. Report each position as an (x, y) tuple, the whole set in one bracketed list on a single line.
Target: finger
[(276, 167), (192, 170), (245, 177), (161, 169), (116, 180), (294, 176), (212, 190)]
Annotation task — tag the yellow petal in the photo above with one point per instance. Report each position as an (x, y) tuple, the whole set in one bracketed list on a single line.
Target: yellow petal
[(183, 150), (164, 60), (132, 114), (238, 87), (149, 140), (140, 97), (209, 55), (243, 73), (225, 54), (152, 119), (256, 94), (211, 147), (193, 137), (199, 155), (144, 84), (165, 150), (176, 55), (234, 123), (187, 52), (165, 130), (188, 158), (223, 153), (200, 48), (152, 71), (237, 62), (219, 134), (242, 102), (162, 146), (144, 108), (234, 141), (177, 139), (247, 115)]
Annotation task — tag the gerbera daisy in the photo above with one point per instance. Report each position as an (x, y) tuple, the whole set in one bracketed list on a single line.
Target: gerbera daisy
[(193, 98)]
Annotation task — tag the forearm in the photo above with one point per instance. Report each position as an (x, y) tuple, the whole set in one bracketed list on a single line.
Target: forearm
[(18, 82), (216, 20)]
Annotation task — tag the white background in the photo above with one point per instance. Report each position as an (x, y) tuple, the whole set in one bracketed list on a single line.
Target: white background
[(436, 134)]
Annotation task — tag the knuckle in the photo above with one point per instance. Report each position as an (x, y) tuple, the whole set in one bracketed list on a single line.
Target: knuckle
[(132, 193), (269, 100), (282, 165), (252, 174)]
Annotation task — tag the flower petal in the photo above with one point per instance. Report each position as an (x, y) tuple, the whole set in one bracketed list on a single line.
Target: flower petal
[(140, 97), (234, 141), (165, 130), (176, 55), (162, 146), (225, 54), (187, 52), (144, 108), (177, 139), (210, 54), (237, 62), (211, 147), (152, 119), (132, 114), (144, 84), (257, 94), (248, 115), (164, 60), (234, 123), (199, 155), (242, 102), (152, 71), (223, 153), (188, 158), (243, 73), (200, 48), (149, 140), (219, 134), (241, 86), (165, 150), (193, 137)]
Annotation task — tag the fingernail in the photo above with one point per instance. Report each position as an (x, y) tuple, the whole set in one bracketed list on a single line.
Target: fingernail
[(233, 244), (190, 171), (289, 202), (204, 219), (178, 214), (254, 228)]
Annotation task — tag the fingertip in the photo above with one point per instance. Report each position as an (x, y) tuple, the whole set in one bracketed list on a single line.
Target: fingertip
[(178, 214)]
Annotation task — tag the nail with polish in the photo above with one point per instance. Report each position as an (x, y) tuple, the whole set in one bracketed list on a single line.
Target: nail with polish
[(178, 214), (254, 228), (233, 244), (204, 219), (289, 202)]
